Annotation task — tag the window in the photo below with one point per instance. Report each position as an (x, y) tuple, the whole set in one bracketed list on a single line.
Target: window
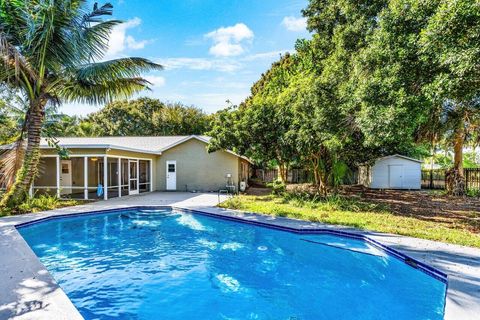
[(64, 168), (171, 167)]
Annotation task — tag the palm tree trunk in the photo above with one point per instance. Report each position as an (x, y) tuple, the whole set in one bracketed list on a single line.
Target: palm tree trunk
[(26, 174), (455, 178), (458, 150)]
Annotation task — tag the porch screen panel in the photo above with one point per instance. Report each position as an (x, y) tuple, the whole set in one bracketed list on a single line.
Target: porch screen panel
[(46, 180), (78, 182), (112, 177), (144, 178), (95, 176), (124, 178)]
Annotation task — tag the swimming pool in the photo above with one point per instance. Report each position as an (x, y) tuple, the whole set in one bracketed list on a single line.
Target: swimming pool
[(163, 263)]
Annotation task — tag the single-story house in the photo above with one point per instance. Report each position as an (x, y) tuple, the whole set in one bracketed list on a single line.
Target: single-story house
[(131, 165), (391, 172)]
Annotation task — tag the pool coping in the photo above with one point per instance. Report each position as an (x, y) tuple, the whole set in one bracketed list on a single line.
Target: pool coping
[(60, 307)]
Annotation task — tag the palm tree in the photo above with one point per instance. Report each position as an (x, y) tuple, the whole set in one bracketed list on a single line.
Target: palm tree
[(49, 51)]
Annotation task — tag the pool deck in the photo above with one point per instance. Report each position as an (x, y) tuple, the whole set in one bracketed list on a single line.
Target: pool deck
[(29, 292)]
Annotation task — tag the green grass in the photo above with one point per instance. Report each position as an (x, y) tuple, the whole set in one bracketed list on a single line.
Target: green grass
[(354, 213)]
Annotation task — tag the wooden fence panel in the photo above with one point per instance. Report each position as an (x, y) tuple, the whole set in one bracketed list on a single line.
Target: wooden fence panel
[(294, 175), (472, 178), (435, 179)]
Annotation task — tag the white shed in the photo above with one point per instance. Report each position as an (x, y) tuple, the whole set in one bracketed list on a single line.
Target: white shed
[(391, 172)]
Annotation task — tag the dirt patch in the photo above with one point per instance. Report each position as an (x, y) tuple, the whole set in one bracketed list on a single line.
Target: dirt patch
[(258, 191), (424, 205), (452, 212)]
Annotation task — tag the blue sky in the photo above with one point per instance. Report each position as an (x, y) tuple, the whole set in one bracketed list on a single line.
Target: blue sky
[(212, 50)]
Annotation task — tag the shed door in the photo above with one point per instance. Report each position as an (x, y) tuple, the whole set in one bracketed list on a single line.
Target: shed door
[(171, 175), (395, 176)]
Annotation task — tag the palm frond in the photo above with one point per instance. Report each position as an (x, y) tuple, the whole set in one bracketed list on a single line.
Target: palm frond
[(93, 40), (11, 159), (100, 93), (113, 69), (97, 13), (13, 63)]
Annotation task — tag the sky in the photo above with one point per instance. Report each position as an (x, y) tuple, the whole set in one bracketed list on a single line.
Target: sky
[(212, 50)]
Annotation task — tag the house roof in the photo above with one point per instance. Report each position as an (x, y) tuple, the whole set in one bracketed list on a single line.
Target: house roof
[(141, 144), (146, 144)]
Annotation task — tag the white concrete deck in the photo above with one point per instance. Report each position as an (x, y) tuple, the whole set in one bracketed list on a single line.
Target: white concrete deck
[(29, 292)]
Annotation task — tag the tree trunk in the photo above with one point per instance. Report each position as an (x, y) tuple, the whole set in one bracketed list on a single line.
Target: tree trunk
[(282, 172), (455, 178), (316, 180), (25, 176), (323, 184)]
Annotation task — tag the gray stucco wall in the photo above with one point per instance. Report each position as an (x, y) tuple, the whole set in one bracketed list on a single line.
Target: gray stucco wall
[(196, 168)]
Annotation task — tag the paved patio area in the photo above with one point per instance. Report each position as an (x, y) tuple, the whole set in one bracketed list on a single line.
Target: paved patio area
[(29, 292)]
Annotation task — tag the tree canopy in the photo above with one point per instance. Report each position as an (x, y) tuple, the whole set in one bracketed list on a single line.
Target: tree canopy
[(377, 77), (147, 117), (51, 52)]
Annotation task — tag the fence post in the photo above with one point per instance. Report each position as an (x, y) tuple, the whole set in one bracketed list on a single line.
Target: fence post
[(467, 176), (431, 179)]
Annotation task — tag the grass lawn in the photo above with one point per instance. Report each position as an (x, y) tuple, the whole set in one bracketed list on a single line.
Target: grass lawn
[(360, 214)]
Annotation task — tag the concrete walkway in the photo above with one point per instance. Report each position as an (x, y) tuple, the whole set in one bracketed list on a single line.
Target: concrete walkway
[(29, 292)]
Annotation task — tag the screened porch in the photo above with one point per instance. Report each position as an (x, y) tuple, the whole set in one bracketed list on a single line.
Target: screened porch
[(93, 177)]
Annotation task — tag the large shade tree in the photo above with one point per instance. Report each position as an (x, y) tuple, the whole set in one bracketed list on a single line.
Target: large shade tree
[(451, 41), (49, 52), (147, 117), (417, 79)]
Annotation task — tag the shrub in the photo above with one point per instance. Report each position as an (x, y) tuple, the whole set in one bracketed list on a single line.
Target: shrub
[(232, 203), (43, 203), (278, 187), (473, 193), (303, 192)]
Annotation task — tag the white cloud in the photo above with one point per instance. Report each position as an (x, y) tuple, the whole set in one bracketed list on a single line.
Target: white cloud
[(229, 41), (156, 81), (134, 44), (225, 49), (218, 64), (294, 24), (119, 40), (200, 64), (265, 55)]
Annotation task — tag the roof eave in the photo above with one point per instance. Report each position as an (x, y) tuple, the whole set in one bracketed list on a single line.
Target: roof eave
[(199, 138), (102, 146)]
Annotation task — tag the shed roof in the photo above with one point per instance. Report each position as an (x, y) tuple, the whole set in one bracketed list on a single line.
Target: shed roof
[(389, 157), (400, 156)]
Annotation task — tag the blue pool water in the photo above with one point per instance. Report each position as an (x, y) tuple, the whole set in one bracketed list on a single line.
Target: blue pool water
[(164, 264)]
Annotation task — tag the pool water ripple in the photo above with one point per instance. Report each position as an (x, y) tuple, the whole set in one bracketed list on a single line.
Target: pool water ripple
[(167, 264)]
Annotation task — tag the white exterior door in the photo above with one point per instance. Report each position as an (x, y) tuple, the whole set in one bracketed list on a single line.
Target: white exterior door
[(133, 177), (66, 177), (171, 175), (395, 176)]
